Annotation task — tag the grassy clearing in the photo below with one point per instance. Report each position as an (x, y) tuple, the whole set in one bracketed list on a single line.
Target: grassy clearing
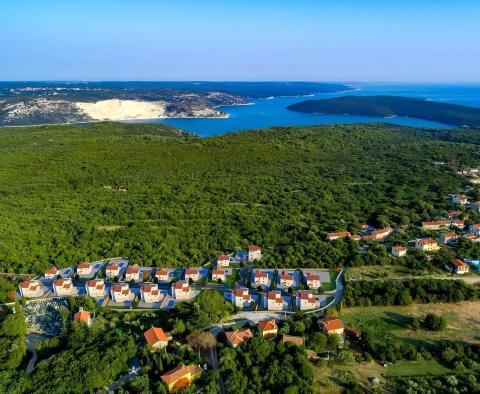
[(463, 321), (417, 368)]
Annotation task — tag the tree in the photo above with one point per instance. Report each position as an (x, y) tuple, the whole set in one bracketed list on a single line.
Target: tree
[(434, 322), (201, 340)]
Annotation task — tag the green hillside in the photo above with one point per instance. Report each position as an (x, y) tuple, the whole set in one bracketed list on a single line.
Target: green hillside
[(163, 197), (388, 106)]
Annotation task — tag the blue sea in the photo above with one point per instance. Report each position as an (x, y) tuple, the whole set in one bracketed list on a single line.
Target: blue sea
[(273, 112)]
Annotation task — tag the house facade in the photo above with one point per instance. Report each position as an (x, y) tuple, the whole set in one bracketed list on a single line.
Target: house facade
[(85, 269), (313, 280), (63, 287), (448, 237), (192, 273), (241, 298), (132, 273), (180, 290), (274, 300), (399, 251), (217, 274), (162, 275), (254, 253), (260, 278), (459, 267), (83, 317), (120, 292), (51, 273), (150, 294), (331, 325), (268, 328), (31, 289), (305, 300), (223, 261), (112, 270), (156, 338), (181, 376), (427, 245), (436, 225), (95, 288)]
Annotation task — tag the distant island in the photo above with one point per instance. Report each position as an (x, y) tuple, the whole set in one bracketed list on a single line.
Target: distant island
[(390, 106)]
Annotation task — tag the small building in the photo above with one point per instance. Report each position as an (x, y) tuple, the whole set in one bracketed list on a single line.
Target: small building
[(294, 340), (156, 338), (457, 223), (192, 273), (463, 200), (150, 294), (84, 269), (448, 237), (63, 287), (286, 280), (274, 300), (31, 289), (181, 376), (305, 300), (260, 278), (436, 224), (399, 251), (95, 288), (223, 261), (120, 292), (161, 274), (241, 298), (427, 245), (83, 317), (51, 273), (458, 267), (132, 273), (237, 337), (217, 274), (313, 280), (337, 235), (254, 253), (180, 290), (356, 237), (268, 328), (112, 270), (331, 325), (474, 229), (378, 235)]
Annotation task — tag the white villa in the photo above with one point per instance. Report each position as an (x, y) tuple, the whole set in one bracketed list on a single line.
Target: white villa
[(161, 274), (51, 273), (180, 290), (112, 270), (218, 273), (274, 300), (254, 253), (132, 273), (313, 280), (31, 289), (241, 298), (95, 288), (64, 287), (120, 292), (286, 280), (223, 261), (192, 273), (150, 294), (305, 300), (260, 278), (85, 269)]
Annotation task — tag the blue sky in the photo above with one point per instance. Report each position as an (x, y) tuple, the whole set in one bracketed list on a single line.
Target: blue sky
[(330, 40)]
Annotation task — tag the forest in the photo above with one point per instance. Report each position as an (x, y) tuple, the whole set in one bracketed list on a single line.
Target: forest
[(167, 198)]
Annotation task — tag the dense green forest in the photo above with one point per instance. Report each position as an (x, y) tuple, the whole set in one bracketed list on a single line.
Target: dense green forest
[(164, 197), (387, 106)]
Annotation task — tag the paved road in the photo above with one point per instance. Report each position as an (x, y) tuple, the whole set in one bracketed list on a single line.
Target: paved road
[(135, 369), (31, 339)]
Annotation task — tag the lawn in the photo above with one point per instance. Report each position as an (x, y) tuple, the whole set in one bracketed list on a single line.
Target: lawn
[(463, 320), (417, 368)]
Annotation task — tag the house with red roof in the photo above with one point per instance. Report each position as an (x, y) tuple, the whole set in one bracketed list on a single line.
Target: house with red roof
[(132, 273), (268, 328), (223, 261), (83, 317), (274, 300), (254, 253), (51, 273), (260, 278), (237, 337), (180, 290), (120, 292), (31, 289), (448, 237), (286, 279), (459, 199), (218, 273), (112, 270), (313, 280), (241, 298), (64, 287), (305, 300), (331, 325), (150, 293), (457, 223), (339, 234), (181, 376), (156, 338), (458, 267), (427, 245), (378, 235), (85, 269), (399, 251), (162, 274), (436, 224), (192, 273), (95, 288)]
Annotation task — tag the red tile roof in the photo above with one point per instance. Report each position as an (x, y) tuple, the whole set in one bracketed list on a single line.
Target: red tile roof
[(222, 257), (331, 323), (259, 274), (84, 265), (427, 241), (240, 292), (82, 316), (457, 263), (132, 270), (218, 271), (161, 272), (399, 248), (267, 325), (179, 375), (191, 271), (152, 289), (339, 234), (154, 335), (253, 248), (238, 336), (52, 271), (274, 295), (113, 267), (311, 277)]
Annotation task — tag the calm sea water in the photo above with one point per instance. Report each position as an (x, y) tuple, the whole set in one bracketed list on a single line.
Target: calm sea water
[(273, 112)]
